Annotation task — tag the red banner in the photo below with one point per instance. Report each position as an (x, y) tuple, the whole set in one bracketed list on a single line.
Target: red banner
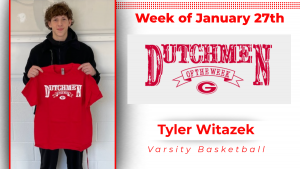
[(199, 71), (69, 94)]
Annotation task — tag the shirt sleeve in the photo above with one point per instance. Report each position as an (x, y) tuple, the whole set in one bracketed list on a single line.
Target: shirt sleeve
[(93, 92), (31, 91)]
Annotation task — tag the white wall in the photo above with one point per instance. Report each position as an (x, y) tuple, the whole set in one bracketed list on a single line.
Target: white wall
[(94, 21)]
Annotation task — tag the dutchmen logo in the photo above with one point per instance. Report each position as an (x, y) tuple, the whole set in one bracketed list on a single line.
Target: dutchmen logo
[(222, 54), (62, 91)]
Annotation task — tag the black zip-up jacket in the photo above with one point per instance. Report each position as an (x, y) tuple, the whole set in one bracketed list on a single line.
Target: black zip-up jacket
[(54, 52)]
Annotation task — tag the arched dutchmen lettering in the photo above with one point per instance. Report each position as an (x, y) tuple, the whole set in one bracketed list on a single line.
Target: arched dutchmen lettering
[(62, 89), (210, 53)]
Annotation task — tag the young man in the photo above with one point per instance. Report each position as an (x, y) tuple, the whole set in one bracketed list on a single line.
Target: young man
[(60, 47)]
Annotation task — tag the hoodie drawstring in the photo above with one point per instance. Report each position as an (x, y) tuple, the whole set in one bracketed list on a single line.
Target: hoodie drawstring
[(51, 57)]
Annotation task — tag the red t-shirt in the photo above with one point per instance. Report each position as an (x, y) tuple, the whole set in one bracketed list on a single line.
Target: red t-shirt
[(63, 118)]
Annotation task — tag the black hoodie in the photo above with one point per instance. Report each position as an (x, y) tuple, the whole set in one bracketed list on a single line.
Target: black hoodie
[(51, 52)]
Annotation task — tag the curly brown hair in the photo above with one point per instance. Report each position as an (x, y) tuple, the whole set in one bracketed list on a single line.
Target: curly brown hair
[(58, 9)]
